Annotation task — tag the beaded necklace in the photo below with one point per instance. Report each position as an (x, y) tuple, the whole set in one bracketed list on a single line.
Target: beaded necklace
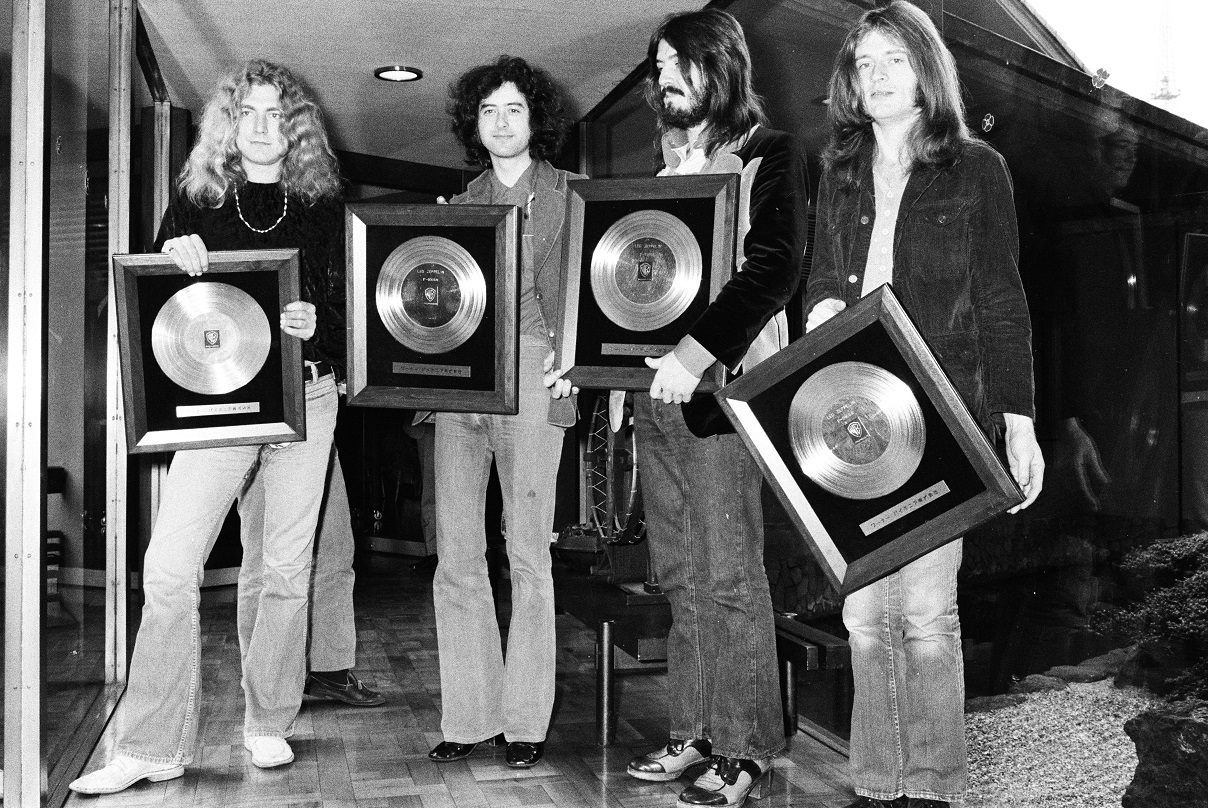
[(280, 218)]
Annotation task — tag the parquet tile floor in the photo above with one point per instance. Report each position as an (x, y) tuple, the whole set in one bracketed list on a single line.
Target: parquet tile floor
[(350, 757)]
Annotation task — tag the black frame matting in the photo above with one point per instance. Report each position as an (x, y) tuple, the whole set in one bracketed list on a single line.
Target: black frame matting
[(270, 408), (479, 375), (959, 484)]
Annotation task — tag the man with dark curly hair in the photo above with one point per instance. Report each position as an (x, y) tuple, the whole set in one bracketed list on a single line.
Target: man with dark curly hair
[(509, 117)]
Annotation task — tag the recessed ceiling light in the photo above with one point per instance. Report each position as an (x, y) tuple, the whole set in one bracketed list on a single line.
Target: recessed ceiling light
[(399, 73)]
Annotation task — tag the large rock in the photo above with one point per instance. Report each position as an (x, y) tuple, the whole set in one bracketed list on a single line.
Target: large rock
[(1172, 757)]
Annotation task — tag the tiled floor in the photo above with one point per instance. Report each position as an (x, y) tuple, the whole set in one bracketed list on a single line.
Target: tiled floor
[(373, 758)]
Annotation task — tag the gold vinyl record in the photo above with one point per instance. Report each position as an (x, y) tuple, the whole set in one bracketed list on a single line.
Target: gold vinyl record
[(211, 338), (857, 430), (646, 270), (431, 294)]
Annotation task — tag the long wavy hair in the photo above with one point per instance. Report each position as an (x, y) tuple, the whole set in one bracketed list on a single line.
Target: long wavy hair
[(548, 120), (940, 132), (712, 41), (214, 168)]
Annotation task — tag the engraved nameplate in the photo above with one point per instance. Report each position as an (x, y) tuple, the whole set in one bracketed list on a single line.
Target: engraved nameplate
[(902, 508), (197, 411), (459, 371)]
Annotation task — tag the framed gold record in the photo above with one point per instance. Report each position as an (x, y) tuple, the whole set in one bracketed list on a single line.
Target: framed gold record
[(645, 258), (204, 362), (433, 306), (867, 444)]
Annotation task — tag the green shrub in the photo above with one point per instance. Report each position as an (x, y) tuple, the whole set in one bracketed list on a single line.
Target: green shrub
[(1170, 620)]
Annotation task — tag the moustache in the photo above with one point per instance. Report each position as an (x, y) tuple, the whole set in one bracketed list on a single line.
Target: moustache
[(667, 91)]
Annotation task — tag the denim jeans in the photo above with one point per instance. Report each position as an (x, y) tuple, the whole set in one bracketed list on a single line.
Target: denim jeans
[(332, 644), (481, 694), (908, 721), (704, 525), (158, 717)]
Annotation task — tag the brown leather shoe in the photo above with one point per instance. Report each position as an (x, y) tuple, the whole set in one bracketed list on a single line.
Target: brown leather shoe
[(669, 762), (350, 691), (448, 751), (522, 754)]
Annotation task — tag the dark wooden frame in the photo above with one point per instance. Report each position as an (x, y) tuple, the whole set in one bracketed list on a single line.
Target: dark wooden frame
[(129, 272), (503, 304), (718, 259), (948, 518)]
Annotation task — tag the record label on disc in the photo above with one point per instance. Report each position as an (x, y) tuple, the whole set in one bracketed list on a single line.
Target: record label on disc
[(211, 338), (857, 430), (431, 295)]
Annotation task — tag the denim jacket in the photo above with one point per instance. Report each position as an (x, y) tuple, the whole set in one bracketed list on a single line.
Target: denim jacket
[(549, 253), (955, 270)]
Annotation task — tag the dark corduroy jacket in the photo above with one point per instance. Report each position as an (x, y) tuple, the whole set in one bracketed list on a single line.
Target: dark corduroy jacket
[(548, 217), (955, 270), (773, 198)]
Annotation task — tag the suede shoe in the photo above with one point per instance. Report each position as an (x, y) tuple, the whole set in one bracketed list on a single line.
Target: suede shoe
[(727, 783), (671, 761), (870, 802), (523, 754), (268, 751), (123, 772), (351, 691), (448, 751)]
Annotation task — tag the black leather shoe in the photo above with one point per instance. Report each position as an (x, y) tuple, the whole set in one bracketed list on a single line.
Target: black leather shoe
[(919, 802), (727, 783), (869, 802), (671, 761), (522, 754), (448, 751), (350, 691)]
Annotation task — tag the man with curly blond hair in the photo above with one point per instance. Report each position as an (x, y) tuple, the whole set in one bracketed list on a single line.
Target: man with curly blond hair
[(261, 175)]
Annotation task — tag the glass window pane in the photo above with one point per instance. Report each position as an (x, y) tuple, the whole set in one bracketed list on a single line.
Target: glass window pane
[(77, 137)]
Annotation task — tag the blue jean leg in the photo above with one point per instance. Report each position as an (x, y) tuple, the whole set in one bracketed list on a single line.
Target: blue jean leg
[(157, 720), (704, 523), (295, 475), (908, 727), (332, 642), (158, 716), (481, 693)]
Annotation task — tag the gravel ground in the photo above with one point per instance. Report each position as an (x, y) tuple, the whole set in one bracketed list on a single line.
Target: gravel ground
[(1057, 749)]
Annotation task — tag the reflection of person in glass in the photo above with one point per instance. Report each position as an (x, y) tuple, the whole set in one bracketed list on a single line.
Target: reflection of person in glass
[(262, 175), (908, 197), (509, 117), (701, 488)]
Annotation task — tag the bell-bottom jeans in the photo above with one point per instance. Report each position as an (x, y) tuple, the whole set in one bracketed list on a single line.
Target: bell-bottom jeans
[(704, 525), (158, 716), (908, 720), (482, 694), (332, 642)]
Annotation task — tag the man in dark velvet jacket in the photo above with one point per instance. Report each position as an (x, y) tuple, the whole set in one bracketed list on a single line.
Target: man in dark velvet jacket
[(700, 485)]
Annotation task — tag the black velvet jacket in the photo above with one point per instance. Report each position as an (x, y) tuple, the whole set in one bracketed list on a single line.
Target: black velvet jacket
[(772, 228), (316, 230), (955, 269)]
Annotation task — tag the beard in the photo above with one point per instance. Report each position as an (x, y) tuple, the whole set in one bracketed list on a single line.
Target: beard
[(675, 118)]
